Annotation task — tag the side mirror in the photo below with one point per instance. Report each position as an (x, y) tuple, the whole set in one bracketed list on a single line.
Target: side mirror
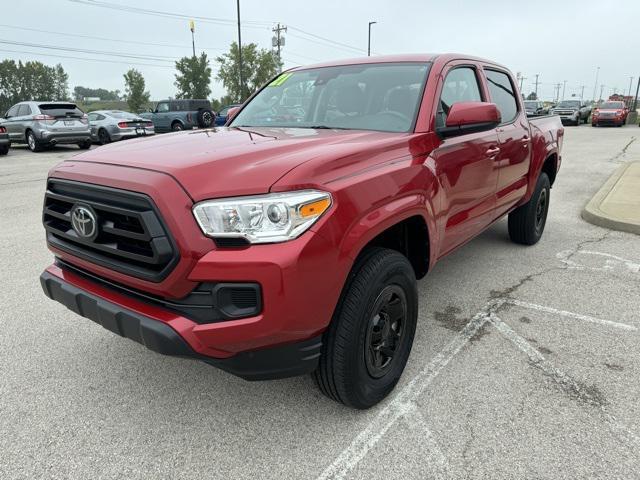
[(232, 113), (470, 117)]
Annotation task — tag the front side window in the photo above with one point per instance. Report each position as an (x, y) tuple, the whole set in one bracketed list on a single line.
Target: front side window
[(163, 107), (382, 97), (502, 94), (460, 85)]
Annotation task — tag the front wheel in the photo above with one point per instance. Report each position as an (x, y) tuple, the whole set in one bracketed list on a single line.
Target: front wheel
[(86, 145), (177, 127), (4, 149), (526, 223), (367, 345)]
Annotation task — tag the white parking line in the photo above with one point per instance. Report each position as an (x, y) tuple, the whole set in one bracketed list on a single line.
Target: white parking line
[(432, 456), (612, 262), (402, 404), (576, 316), (565, 381)]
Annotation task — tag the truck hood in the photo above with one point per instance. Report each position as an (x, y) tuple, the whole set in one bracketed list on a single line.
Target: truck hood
[(223, 162)]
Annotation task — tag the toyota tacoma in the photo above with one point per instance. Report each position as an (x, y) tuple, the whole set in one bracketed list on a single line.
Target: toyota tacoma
[(290, 241)]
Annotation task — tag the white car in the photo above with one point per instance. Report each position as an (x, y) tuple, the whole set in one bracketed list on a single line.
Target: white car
[(111, 125)]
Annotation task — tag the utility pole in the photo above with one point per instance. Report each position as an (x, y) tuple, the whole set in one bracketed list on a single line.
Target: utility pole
[(278, 41), (582, 92), (564, 87), (537, 82), (635, 99), (521, 78), (192, 27), (601, 89), (630, 84), (369, 41), (557, 88), (240, 55), (595, 85)]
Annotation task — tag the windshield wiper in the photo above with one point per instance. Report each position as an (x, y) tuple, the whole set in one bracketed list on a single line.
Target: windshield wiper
[(324, 127)]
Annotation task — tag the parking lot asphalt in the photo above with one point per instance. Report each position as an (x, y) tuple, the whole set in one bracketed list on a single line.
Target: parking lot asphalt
[(525, 365)]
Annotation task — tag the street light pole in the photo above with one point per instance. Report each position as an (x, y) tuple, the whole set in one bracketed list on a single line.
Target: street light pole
[(192, 27), (564, 86), (369, 42), (240, 54), (595, 85), (630, 84)]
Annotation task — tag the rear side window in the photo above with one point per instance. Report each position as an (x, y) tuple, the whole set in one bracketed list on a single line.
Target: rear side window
[(24, 110), (60, 109), (502, 94), (460, 85)]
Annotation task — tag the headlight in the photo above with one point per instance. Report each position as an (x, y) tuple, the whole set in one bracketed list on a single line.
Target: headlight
[(272, 218)]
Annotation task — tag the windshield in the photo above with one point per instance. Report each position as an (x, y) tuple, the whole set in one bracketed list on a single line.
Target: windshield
[(612, 105), (383, 97), (531, 104), (569, 104)]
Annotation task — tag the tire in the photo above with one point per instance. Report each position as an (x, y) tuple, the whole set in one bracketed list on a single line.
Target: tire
[(527, 222), (4, 149), (103, 137), (205, 118), (177, 127), (86, 145), (594, 124), (354, 367), (32, 143)]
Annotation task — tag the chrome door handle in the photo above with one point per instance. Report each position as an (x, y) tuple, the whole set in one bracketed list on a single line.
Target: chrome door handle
[(492, 152)]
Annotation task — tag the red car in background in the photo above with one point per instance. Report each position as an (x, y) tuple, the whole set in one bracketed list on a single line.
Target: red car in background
[(610, 113)]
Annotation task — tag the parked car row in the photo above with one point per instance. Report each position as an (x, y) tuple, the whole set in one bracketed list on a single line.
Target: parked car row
[(40, 125), (572, 111)]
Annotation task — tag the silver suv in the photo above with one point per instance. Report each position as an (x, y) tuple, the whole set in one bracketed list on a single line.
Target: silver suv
[(41, 124)]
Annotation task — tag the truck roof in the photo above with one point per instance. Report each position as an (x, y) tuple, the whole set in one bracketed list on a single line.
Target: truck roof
[(410, 57)]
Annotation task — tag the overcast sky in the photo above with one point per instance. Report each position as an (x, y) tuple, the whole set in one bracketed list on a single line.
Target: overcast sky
[(558, 39)]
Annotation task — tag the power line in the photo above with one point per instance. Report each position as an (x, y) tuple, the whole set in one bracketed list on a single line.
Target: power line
[(119, 40), (174, 15), (100, 60), (218, 21), (155, 58)]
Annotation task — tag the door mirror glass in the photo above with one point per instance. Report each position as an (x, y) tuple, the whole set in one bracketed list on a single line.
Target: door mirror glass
[(469, 117)]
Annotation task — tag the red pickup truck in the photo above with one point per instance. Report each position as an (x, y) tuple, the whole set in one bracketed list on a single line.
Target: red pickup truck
[(290, 241)]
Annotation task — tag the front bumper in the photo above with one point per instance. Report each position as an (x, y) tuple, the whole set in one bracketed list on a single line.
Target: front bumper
[(608, 121), (159, 336)]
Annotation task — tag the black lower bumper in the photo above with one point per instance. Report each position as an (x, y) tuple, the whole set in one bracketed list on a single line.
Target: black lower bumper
[(265, 364)]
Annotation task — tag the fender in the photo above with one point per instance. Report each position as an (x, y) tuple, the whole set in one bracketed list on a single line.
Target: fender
[(376, 221)]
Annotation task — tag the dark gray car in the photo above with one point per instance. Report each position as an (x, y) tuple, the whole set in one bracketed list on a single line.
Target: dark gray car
[(42, 124)]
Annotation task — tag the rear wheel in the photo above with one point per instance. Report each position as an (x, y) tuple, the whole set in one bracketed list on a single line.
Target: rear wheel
[(32, 143), (103, 137), (527, 222), (86, 145), (4, 149), (205, 118), (368, 343)]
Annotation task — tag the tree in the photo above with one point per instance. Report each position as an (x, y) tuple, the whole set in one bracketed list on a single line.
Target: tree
[(80, 93), (218, 104), (532, 96), (193, 77), (135, 94), (61, 84), (31, 81), (258, 66)]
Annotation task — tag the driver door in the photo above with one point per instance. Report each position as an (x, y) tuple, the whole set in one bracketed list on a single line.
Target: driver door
[(161, 119), (466, 164)]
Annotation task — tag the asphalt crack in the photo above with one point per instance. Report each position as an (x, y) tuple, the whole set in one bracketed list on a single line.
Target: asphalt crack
[(623, 151)]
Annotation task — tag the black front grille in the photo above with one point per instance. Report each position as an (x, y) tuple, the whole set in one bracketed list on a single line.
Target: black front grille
[(131, 237)]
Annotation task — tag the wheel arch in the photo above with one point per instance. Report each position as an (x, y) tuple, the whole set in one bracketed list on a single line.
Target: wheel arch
[(404, 225)]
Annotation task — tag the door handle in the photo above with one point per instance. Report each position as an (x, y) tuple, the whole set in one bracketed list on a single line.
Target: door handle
[(525, 142), (492, 152)]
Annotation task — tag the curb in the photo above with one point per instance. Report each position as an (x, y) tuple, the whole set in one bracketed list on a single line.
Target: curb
[(594, 214)]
